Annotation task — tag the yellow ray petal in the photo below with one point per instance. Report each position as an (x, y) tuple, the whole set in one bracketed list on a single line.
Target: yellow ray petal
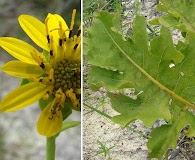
[(49, 124), (22, 96), (76, 54), (18, 49), (53, 23), (22, 69), (53, 29), (64, 25), (35, 29), (56, 31)]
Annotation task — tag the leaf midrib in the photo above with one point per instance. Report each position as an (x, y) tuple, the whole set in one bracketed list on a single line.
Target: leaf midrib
[(171, 93)]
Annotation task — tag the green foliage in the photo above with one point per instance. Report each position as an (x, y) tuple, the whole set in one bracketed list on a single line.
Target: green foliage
[(137, 7), (105, 150), (163, 74), (131, 110), (43, 103), (180, 14), (169, 133), (25, 81), (67, 125), (90, 6), (67, 110)]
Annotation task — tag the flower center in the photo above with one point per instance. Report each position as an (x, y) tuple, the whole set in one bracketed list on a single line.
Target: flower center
[(67, 75)]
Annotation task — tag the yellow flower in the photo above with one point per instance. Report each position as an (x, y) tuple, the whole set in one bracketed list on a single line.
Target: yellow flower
[(53, 73)]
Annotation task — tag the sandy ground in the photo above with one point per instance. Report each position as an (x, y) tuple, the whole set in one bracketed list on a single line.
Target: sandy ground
[(127, 144)]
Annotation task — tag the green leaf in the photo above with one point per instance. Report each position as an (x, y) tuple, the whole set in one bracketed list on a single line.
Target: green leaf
[(163, 74), (118, 63), (180, 14), (168, 21), (71, 124), (25, 81), (163, 45), (169, 133), (43, 103), (105, 150), (46, 55), (112, 79), (131, 109), (67, 125), (67, 110), (182, 75)]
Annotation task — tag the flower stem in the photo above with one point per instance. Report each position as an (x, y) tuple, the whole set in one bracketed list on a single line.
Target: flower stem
[(50, 148)]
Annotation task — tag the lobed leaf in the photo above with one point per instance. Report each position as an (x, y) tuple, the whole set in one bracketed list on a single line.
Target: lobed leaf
[(169, 133), (162, 71), (138, 109)]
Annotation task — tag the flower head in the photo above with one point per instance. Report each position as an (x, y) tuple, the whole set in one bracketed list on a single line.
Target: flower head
[(53, 74)]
